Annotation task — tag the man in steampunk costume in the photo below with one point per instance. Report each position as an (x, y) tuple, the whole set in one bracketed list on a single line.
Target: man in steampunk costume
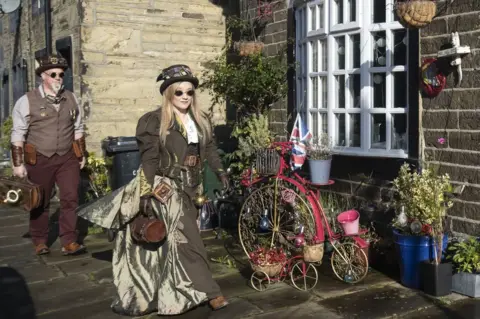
[(48, 148)]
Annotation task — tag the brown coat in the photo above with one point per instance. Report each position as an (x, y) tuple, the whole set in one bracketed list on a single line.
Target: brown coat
[(155, 156), (51, 131)]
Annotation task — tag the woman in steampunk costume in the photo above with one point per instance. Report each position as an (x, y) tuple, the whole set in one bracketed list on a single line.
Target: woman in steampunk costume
[(159, 260)]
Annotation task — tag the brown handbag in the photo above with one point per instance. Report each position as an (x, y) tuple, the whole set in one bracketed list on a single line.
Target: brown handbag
[(148, 230), (20, 190)]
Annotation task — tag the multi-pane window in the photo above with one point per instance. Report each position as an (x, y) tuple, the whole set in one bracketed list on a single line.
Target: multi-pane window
[(352, 75)]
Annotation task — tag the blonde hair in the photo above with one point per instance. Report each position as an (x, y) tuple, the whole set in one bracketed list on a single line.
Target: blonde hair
[(167, 114)]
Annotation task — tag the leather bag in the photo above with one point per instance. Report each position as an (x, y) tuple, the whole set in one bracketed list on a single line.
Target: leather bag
[(148, 230), (20, 190)]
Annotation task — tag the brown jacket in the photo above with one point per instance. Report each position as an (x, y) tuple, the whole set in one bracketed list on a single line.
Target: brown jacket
[(155, 156), (51, 131)]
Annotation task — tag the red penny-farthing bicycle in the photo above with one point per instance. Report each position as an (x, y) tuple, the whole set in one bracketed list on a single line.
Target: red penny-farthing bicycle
[(284, 211)]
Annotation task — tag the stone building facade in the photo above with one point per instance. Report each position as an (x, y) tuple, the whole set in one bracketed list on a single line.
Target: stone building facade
[(116, 50), (453, 115)]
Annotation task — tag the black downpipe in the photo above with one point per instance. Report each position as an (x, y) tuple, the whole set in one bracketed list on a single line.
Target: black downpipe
[(48, 27)]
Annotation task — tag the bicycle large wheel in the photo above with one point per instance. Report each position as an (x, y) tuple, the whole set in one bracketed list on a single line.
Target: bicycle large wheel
[(273, 216)]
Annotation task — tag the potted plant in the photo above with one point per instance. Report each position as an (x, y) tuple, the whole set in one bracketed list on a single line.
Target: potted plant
[(419, 229), (465, 256), (319, 156), (268, 260)]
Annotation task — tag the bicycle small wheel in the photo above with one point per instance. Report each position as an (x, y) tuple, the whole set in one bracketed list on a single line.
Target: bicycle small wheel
[(349, 263), (304, 276), (259, 280)]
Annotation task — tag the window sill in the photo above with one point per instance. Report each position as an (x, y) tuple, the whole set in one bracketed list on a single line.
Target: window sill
[(370, 153)]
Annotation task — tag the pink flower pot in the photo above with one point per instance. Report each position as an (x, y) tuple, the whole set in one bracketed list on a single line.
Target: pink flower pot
[(349, 221)]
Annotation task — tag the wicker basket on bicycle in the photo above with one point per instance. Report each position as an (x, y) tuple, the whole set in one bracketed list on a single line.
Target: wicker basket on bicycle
[(267, 162), (271, 270), (313, 253)]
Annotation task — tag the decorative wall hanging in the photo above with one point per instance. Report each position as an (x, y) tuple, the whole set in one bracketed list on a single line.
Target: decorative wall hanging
[(415, 13), (432, 79), (454, 56)]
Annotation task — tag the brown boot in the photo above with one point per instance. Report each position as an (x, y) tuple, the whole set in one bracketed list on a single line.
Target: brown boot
[(41, 249), (218, 302), (73, 248)]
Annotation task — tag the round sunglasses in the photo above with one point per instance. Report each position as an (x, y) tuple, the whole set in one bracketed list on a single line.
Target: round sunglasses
[(53, 75), (189, 93)]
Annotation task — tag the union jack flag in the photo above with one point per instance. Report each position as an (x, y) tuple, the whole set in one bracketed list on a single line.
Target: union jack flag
[(300, 137)]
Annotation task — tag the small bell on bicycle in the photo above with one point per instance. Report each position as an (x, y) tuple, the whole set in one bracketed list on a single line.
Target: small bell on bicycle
[(300, 239)]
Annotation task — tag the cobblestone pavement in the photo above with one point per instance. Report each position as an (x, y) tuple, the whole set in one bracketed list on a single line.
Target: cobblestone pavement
[(81, 286)]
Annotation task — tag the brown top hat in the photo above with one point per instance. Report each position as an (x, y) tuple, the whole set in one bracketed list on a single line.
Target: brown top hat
[(51, 62)]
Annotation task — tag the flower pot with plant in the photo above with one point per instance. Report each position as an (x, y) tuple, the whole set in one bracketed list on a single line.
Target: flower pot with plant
[(319, 156), (270, 261), (465, 256), (419, 229)]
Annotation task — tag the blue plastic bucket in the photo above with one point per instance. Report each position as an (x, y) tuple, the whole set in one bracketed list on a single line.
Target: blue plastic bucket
[(412, 250)]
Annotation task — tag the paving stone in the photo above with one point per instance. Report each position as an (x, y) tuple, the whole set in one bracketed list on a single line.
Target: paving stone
[(97, 310), (330, 286), (14, 240), (46, 290), (305, 310), (270, 300), (20, 252), (376, 303), (8, 211), (238, 308), (102, 276), (237, 285), (14, 231), (465, 309), (78, 299), (40, 272), (15, 220), (100, 251), (84, 266)]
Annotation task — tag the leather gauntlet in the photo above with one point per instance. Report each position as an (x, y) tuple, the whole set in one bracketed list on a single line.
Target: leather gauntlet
[(17, 155), (79, 147)]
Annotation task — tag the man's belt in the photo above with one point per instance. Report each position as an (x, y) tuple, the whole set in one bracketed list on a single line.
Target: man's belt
[(191, 160)]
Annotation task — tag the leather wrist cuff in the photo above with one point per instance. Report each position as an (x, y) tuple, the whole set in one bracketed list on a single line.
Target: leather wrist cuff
[(82, 145), (17, 155)]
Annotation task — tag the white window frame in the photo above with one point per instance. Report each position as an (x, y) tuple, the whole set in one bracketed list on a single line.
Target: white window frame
[(363, 26)]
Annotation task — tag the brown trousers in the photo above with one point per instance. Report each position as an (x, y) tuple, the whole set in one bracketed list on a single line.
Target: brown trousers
[(63, 170)]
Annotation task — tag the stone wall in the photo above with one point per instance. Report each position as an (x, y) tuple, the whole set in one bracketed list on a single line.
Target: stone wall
[(455, 113), (125, 45), (274, 36), (20, 39)]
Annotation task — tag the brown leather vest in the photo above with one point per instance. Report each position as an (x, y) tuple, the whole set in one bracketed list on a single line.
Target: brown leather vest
[(51, 131)]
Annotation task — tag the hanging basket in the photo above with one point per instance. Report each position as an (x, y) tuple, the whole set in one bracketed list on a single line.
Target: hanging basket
[(416, 13), (313, 253), (246, 48), (271, 270)]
